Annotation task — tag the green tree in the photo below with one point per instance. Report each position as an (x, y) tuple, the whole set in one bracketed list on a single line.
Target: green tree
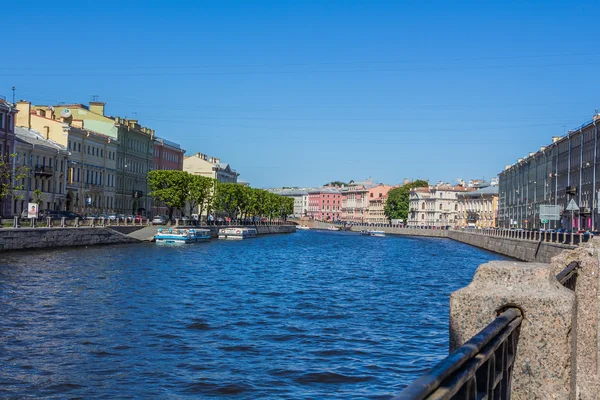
[(336, 183), (201, 189), (9, 179), (169, 187), (396, 206), (37, 197), (226, 198)]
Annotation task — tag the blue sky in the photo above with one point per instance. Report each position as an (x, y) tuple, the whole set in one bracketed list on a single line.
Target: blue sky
[(303, 93)]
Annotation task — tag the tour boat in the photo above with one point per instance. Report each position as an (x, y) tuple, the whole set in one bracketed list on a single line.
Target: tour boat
[(372, 233), (237, 233), (181, 236), (302, 227), (333, 228)]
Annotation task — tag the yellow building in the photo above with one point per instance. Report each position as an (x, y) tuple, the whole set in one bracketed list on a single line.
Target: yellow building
[(200, 164), (479, 208), (92, 170)]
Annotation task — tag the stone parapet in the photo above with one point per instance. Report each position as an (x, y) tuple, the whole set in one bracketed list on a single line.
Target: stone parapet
[(543, 364)]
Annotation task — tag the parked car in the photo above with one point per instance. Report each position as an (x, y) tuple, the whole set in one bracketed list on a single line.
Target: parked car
[(113, 217), (139, 218), (159, 220), (91, 216)]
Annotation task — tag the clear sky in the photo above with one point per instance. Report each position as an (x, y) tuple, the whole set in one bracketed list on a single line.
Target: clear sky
[(300, 93)]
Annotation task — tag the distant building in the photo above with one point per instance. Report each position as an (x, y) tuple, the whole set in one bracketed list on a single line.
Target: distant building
[(478, 208), (324, 204), (300, 197), (435, 206), (200, 164), (377, 196), (355, 201)]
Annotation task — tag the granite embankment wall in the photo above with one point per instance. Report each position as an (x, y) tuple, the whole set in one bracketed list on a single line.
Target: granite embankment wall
[(40, 238), (147, 233), (387, 229), (520, 249)]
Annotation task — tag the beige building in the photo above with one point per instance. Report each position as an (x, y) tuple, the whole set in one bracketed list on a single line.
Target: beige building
[(135, 150), (45, 163), (91, 174), (435, 206), (200, 164), (479, 208), (377, 196)]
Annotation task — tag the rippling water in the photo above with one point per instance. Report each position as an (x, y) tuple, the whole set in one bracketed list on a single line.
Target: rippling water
[(305, 315)]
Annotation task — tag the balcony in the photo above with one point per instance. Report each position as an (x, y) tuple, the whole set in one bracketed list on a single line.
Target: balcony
[(136, 194), (571, 190), (43, 171), (94, 188)]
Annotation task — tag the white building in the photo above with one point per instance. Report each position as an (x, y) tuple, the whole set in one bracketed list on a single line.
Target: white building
[(435, 205), (300, 197)]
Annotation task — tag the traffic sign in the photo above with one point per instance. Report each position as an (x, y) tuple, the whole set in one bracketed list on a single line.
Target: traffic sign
[(549, 212), (572, 206), (545, 221)]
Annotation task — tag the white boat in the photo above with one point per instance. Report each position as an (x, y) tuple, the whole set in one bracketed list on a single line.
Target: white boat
[(237, 233), (372, 233), (302, 227), (181, 236), (333, 228)]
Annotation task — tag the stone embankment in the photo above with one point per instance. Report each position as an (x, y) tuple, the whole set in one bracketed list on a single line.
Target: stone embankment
[(40, 238), (440, 233)]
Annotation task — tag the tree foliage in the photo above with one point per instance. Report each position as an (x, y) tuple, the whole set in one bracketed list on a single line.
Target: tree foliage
[(9, 179), (336, 183), (170, 188), (397, 204), (201, 189)]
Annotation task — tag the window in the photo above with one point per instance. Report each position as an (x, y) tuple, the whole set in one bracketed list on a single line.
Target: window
[(440, 206), (78, 146), (422, 206), (455, 207)]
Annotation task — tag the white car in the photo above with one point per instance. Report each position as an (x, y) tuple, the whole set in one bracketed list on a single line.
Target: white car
[(159, 220)]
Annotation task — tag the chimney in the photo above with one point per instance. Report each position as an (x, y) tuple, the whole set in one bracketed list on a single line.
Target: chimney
[(97, 107), (24, 114), (77, 123), (46, 132), (556, 139), (211, 160), (217, 160)]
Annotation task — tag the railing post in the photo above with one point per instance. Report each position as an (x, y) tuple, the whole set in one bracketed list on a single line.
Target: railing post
[(16, 223), (571, 237), (49, 222), (539, 371), (32, 222)]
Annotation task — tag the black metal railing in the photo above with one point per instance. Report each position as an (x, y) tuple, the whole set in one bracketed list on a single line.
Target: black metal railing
[(479, 369), (568, 276)]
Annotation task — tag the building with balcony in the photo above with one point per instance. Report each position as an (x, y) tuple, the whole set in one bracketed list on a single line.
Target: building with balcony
[(135, 150), (44, 163), (7, 145), (91, 174), (564, 170), (478, 208), (435, 206), (325, 204), (377, 196), (201, 164)]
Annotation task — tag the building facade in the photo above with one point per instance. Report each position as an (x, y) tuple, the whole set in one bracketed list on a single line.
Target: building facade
[(566, 169), (377, 196), (435, 206), (167, 155), (44, 164), (300, 197), (91, 174), (7, 145), (355, 201), (135, 150), (201, 164), (325, 204), (478, 208)]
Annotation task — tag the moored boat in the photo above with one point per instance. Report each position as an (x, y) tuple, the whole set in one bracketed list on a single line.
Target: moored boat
[(333, 228), (237, 233), (372, 233), (181, 236), (302, 227)]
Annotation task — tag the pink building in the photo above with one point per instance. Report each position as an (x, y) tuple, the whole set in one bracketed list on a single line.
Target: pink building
[(7, 144), (324, 204), (377, 196), (167, 155)]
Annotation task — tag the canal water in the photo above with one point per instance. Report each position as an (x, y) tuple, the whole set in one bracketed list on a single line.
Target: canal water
[(305, 315)]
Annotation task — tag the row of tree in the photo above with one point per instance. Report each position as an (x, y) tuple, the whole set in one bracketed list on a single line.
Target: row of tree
[(180, 190)]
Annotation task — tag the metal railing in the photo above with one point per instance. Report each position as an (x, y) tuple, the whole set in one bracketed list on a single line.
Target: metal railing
[(479, 369), (568, 276)]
